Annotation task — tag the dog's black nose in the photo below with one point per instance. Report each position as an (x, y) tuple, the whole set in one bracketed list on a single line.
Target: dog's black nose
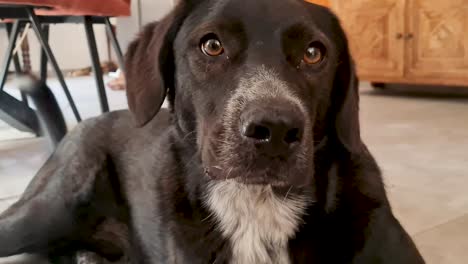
[(275, 131)]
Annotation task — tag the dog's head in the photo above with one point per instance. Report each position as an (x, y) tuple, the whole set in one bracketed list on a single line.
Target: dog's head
[(258, 86)]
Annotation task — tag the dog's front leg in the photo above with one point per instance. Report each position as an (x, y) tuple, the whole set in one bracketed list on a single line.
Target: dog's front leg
[(59, 208), (386, 241)]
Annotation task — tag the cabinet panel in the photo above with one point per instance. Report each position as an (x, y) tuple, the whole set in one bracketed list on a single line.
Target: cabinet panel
[(439, 48), (374, 29)]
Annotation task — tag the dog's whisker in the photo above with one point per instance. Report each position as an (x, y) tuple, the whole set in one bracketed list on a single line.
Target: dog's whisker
[(188, 135), (229, 173), (287, 193), (208, 217)]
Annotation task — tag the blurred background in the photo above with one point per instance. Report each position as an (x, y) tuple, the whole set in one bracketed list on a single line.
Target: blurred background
[(411, 56)]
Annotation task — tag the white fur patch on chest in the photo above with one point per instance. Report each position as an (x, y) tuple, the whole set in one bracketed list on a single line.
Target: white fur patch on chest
[(256, 221)]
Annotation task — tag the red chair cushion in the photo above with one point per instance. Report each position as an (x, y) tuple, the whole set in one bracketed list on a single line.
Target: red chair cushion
[(77, 7)]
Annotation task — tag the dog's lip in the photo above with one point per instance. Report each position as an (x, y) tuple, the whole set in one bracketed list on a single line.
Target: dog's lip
[(263, 181), (214, 172)]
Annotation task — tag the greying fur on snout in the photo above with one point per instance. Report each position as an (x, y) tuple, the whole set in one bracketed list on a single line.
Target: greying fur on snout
[(261, 83)]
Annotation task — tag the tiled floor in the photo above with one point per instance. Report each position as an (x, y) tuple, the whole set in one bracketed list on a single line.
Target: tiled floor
[(420, 139)]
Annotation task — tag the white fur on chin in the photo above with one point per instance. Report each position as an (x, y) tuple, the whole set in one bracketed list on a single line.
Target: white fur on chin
[(257, 222)]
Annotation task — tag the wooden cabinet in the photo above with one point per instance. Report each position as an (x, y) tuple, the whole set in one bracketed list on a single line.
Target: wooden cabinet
[(372, 27), (408, 41)]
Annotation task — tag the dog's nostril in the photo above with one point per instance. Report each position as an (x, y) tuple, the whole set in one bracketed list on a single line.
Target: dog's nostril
[(258, 132), (293, 135)]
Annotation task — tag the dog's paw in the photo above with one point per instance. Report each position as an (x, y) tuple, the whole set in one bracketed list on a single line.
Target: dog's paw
[(89, 258), (85, 257)]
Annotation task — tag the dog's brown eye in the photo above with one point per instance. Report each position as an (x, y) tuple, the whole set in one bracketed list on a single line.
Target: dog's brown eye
[(212, 46), (314, 54)]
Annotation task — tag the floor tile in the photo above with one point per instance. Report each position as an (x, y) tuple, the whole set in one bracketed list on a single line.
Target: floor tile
[(19, 162), (445, 244), (420, 143)]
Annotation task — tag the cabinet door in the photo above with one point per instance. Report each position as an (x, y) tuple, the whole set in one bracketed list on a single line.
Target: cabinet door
[(374, 29), (439, 47)]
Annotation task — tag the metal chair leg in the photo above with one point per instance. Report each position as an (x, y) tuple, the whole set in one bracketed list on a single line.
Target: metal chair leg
[(9, 53), (96, 64), (50, 56), (17, 65), (115, 44), (18, 70), (17, 114), (16, 60), (43, 69)]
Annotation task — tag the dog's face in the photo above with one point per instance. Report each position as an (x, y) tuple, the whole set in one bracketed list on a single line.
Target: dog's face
[(259, 85)]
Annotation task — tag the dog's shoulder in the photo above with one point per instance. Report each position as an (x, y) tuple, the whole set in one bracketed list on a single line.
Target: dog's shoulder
[(117, 127)]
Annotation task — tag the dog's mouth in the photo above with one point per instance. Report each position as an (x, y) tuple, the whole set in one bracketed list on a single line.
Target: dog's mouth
[(247, 167), (226, 157), (217, 173)]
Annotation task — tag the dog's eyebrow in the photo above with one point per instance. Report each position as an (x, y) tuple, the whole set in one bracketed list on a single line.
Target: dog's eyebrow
[(217, 25), (304, 31), (300, 30)]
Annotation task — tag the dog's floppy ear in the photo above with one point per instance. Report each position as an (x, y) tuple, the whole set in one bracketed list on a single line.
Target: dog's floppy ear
[(346, 98), (150, 65), (344, 111)]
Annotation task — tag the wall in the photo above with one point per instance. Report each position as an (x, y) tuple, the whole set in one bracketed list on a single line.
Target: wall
[(143, 12)]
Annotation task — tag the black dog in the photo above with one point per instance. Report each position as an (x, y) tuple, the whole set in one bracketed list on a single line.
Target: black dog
[(259, 159)]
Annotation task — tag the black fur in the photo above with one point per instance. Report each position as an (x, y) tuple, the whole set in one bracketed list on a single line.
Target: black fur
[(135, 192)]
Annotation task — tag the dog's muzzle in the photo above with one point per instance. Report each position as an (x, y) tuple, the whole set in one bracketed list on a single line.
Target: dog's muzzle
[(266, 135)]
